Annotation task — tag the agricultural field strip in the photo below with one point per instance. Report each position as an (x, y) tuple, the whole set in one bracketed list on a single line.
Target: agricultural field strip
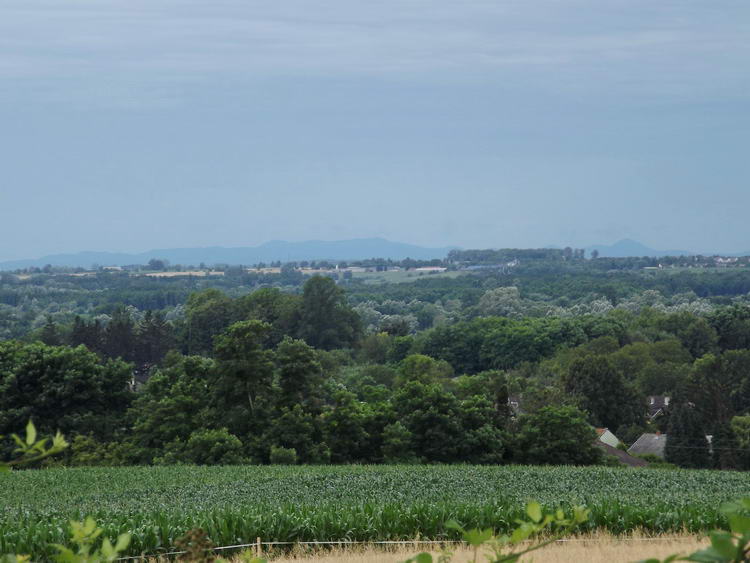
[(236, 505)]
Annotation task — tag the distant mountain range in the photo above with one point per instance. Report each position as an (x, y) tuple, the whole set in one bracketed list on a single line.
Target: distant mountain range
[(279, 250), (628, 247), (354, 249)]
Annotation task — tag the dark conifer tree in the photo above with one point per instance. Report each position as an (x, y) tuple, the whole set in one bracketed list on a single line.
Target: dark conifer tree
[(724, 447), (50, 334), (119, 336), (154, 338), (687, 445), (90, 335)]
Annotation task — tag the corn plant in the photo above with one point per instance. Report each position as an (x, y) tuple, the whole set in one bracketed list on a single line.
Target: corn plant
[(237, 504), (727, 546)]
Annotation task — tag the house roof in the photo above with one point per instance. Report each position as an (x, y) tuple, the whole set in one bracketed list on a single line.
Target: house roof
[(657, 404), (649, 444), (623, 457)]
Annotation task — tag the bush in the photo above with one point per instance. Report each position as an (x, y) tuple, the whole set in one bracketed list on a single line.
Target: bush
[(87, 451), (283, 456), (557, 436), (397, 444), (204, 447)]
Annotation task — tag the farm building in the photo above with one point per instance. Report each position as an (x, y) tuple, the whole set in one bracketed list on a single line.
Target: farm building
[(606, 437), (649, 444)]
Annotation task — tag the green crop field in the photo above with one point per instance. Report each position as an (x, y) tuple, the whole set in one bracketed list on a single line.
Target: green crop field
[(238, 504), (404, 276)]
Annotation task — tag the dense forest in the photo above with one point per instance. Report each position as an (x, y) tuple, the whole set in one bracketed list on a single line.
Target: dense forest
[(512, 358)]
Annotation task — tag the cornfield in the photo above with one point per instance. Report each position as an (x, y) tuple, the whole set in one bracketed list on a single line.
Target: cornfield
[(235, 505)]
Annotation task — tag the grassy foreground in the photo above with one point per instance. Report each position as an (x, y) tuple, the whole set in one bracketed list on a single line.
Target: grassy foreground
[(369, 503)]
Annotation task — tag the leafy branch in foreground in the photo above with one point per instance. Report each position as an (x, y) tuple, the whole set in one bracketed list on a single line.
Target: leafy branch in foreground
[(507, 548), (84, 536), (30, 450)]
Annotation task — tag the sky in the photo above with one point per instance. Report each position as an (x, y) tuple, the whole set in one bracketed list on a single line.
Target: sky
[(127, 125)]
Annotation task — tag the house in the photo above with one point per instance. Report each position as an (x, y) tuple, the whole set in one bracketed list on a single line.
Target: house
[(656, 443), (649, 444), (606, 437), (657, 405), (514, 404), (623, 457)]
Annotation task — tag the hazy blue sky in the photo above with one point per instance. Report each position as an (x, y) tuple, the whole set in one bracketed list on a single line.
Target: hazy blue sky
[(136, 124)]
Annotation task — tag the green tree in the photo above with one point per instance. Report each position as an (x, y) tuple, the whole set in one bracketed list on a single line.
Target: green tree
[(294, 428), (300, 374), (154, 337), (50, 333), (686, 438), (119, 335), (724, 447), (502, 302), (431, 415), (423, 369), (483, 441), (695, 333), (720, 385), (270, 305), (207, 313), (244, 366), (326, 320), (601, 391), (61, 388), (374, 348), (174, 403), (205, 447), (557, 436), (733, 327), (656, 368), (397, 444), (283, 456), (87, 334), (344, 428), (741, 430)]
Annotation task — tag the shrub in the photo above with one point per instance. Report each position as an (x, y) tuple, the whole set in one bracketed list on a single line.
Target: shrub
[(283, 456), (204, 447)]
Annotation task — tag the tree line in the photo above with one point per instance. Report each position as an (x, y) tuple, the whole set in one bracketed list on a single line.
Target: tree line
[(274, 376)]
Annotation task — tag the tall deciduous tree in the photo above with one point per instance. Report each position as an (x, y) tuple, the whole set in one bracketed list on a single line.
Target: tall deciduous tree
[(720, 386), (601, 391), (61, 388), (207, 313), (244, 365), (300, 375), (172, 404), (280, 310), (344, 427), (431, 415), (557, 436), (326, 320)]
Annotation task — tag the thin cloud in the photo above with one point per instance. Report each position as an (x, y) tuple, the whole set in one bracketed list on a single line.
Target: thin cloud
[(152, 42)]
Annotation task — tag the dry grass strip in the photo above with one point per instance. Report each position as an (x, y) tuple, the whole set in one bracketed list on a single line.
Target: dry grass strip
[(581, 549)]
